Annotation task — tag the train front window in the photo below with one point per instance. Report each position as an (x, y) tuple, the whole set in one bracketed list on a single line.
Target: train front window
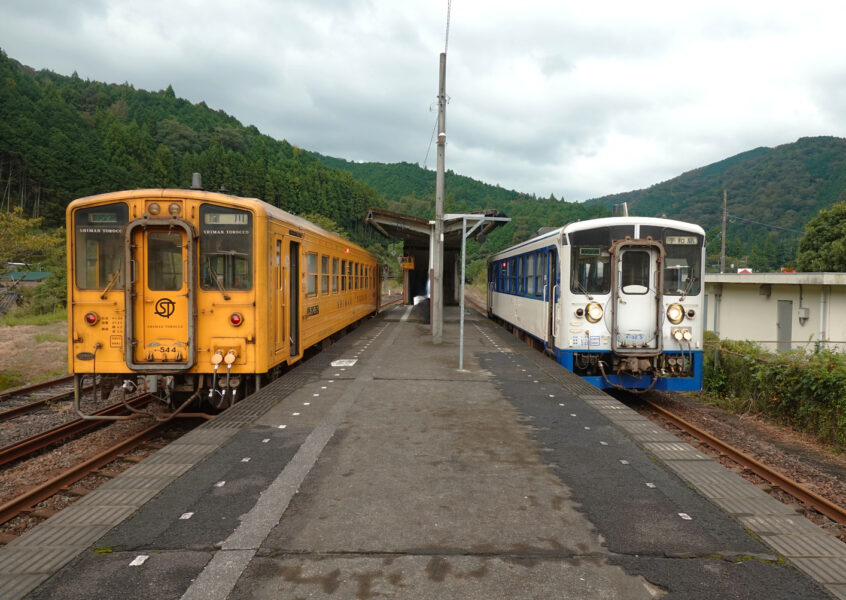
[(682, 264), (164, 261), (591, 270), (635, 272), (99, 246), (226, 248)]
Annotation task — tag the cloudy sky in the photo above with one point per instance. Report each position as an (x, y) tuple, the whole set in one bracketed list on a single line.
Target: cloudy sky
[(576, 99)]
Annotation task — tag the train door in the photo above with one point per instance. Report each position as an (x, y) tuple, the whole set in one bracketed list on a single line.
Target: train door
[(294, 299), (279, 298), (637, 298), (553, 294), (160, 296)]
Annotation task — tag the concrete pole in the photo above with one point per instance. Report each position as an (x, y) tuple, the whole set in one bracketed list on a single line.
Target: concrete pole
[(723, 236), (437, 286)]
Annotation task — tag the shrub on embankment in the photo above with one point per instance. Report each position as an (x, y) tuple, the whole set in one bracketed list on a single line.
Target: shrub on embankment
[(803, 390)]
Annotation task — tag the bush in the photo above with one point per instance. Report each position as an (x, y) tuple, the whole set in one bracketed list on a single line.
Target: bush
[(807, 392)]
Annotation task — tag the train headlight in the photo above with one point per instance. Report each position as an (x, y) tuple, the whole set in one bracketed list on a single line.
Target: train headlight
[(593, 312), (675, 313), (236, 319), (154, 209), (92, 318), (174, 209)]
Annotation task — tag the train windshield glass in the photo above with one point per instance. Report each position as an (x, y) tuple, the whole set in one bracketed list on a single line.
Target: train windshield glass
[(226, 248), (591, 270), (99, 246), (683, 263)]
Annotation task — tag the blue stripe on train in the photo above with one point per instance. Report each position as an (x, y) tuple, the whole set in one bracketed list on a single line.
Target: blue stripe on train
[(679, 384)]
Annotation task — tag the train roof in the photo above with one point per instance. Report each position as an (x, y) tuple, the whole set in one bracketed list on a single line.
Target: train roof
[(218, 197), (606, 222)]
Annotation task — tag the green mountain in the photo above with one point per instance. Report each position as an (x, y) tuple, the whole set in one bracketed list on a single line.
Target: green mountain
[(771, 194), (63, 137)]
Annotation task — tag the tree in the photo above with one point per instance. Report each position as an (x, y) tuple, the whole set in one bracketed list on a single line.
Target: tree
[(823, 247)]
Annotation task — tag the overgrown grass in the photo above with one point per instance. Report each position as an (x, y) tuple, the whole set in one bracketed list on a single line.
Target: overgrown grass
[(804, 391), (23, 317), (50, 337), (10, 380)]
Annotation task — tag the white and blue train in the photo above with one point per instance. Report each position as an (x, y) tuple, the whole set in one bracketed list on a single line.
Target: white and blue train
[(616, 301)]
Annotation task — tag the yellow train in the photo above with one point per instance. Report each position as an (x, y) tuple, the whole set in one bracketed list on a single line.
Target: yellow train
[(196, 295)]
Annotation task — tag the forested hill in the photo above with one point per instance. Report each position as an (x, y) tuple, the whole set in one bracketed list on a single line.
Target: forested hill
[(410, 189), (63, 137), (771, 194)]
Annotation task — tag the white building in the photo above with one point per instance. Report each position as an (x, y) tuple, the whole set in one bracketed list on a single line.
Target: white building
[(779, 311)]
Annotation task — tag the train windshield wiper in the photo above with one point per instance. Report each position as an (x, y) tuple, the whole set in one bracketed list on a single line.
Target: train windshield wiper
[(112, 281), (581, 287), (217, 281)]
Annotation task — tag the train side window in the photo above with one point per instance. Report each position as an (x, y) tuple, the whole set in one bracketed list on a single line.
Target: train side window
[(335, 275), (530, 274), (324, 274), (164, 261), (99, 246), (343, 275), (311, 274), (635, 272), (540, 273), (355, 276)]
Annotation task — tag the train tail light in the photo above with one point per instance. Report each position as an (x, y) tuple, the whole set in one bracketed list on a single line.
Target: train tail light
[(675, 313), (236, 319), (92, 318)]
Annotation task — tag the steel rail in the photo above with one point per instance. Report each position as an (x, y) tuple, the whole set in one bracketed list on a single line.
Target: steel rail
[(26, 501), (42, 440), (35, 386), (33, 406), (820, 504)]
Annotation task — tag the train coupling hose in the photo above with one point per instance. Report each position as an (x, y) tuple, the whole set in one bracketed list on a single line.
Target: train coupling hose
[(216, 359)]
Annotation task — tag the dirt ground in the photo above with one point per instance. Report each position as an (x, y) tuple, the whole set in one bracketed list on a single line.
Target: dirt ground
[(30, 353)]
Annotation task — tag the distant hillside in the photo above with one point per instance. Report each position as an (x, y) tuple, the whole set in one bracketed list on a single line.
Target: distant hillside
[(63, 137), (782, 187), (410, 189)]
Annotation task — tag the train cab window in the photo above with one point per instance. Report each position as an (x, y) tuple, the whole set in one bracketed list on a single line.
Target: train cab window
[(164, 261), (324, 274), (99, 246), (591, 273), (335, 274), (682, 263), (311, 274), (540, 273), (226, 248), (635, 272)]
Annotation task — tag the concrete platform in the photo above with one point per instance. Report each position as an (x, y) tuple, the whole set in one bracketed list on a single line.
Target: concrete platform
[(378, 469)]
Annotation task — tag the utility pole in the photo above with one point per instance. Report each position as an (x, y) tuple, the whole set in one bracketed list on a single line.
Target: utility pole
[(437, 278), (723, 236)]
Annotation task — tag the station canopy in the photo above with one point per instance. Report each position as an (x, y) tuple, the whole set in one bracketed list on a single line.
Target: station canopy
[(416, 231)]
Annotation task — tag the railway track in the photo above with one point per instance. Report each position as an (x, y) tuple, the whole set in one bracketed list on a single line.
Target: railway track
[(24, 395), (34, 387), (24, 502), (823, 506), (62, 432)]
